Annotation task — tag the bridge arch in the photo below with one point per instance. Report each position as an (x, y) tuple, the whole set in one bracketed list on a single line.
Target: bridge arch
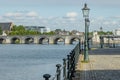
[(15, 40), (74, 40), (2, 40), (29, 40), (59, 40), (44, 40)]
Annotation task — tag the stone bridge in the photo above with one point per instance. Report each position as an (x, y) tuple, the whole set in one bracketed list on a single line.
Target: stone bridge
[(54, 39)]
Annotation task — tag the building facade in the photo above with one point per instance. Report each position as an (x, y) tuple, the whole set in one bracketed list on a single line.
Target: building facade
[(41, 29), (117, 32), (6, 26)]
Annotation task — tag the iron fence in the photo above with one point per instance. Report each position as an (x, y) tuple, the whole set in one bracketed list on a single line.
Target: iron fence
[(68, 67)]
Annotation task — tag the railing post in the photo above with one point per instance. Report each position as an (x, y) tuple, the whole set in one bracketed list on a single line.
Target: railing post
[(73, 61), (46, 76), (82, 50), (64, 69), (79, 47), (101, 42), (68, 66), (58, 71)]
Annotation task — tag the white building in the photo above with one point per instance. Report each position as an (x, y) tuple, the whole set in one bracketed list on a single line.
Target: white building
[(96, 38), (117, 32), (47, 30), (4, 34), (41, 29)]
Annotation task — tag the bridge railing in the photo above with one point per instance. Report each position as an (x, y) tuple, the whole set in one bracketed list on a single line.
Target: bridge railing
[(67, 70), (110, 42)]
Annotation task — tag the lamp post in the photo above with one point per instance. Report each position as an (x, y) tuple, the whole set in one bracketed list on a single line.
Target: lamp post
[(85, 11), (88, 24)]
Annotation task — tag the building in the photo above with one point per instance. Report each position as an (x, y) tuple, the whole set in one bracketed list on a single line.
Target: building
[(117, 32), (6, 26), (41, 29), (75, 32), (96, 37), (47, 30), (61, 32)]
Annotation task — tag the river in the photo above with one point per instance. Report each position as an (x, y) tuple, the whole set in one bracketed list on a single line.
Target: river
[(30, 61)]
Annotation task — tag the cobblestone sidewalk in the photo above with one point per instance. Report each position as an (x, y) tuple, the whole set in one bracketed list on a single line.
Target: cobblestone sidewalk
[(104, 65)]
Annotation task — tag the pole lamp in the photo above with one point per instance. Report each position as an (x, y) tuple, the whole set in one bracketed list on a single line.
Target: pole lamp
[(88, 24), (85, 11)]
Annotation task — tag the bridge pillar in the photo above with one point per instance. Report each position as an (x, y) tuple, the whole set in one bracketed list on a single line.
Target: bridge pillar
[(36, 40), (67, 40), (51, 40), (22, 41), (8, 40)]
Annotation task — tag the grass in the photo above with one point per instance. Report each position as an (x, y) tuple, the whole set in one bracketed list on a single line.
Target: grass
[(85, 61)]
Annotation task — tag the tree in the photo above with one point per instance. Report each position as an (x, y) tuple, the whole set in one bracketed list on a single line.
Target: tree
[(105, 33), (49, 33), (18, 28), (0, 31)]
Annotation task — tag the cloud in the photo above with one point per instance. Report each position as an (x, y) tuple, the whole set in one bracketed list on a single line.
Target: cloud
[(21, 15), (69, 22), (72, 14), (1, 17), (108, 23), (32, 14), (115, 17)]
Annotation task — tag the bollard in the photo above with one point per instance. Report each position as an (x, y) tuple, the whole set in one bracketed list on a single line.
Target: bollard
[(46, 76), (58, 71), (64, 69)]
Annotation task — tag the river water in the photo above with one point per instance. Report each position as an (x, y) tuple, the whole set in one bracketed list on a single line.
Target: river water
[(30, 61)]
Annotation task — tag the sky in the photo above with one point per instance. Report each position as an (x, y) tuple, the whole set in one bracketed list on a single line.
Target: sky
[(61, 14)]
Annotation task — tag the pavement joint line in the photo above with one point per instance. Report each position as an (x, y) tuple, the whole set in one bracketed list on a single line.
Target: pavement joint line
[(85, 72), (92, 75)]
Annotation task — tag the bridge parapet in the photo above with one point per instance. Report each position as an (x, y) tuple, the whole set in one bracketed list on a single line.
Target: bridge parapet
[(52, 39)]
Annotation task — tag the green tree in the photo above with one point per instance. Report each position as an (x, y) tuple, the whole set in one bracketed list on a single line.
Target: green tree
[(18, 28), (0, 31), (49, 33), (105, 33)]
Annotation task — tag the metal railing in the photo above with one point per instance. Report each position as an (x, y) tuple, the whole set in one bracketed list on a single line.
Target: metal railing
[(68, 67)]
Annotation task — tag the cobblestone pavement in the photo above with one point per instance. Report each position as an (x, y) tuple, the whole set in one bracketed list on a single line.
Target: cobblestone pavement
[(104, 65)]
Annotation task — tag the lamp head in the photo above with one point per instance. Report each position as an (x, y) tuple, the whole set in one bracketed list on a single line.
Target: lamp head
[(85, 11)]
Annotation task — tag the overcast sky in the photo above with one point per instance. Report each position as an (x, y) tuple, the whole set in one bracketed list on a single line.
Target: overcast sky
[(63, 14)]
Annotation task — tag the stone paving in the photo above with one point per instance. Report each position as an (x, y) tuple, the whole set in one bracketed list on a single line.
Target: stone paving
[(104, 65)]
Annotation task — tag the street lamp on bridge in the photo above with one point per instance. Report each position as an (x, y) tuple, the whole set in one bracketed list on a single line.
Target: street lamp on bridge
[(85, 11)]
